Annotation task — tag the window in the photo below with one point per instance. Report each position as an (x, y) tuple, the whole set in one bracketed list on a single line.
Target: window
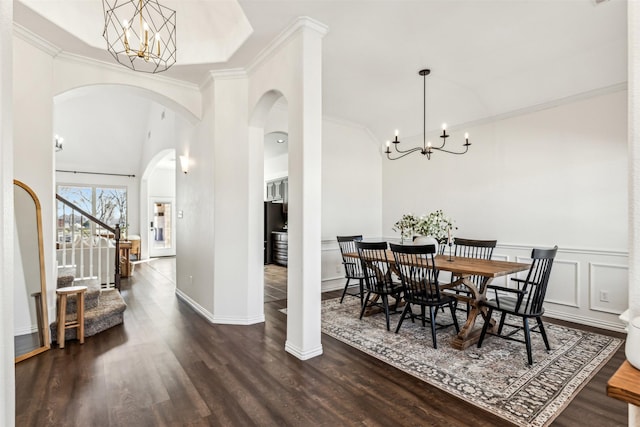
[(108, 204)]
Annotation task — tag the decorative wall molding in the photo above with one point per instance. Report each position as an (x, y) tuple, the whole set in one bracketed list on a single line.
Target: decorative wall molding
[(593, 287), (228, 74), (576, 284), (568, 250), (110, 66), (35, 40), (616, 326)]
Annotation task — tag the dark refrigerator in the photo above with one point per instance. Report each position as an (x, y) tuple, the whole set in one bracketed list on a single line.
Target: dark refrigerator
[(274, 220)]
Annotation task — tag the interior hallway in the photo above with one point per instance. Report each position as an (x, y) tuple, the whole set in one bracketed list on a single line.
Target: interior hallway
[(166, 365)]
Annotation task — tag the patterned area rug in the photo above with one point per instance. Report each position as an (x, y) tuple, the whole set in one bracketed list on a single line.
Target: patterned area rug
[(496, 377)]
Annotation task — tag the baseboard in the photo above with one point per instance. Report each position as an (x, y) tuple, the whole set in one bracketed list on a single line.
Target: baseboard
[(243, 321), (332, 284), (221, 320), (300, 354), (195, 306), (587, 321)]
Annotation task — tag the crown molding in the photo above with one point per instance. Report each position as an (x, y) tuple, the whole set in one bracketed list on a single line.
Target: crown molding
[(35, 40), (228, 74), (618, 87), (121, 69), (298, 24)]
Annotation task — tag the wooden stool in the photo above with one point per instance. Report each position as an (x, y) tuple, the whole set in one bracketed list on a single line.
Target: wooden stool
[(62, 312)]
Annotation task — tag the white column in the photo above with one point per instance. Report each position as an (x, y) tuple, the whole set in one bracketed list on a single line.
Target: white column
[(7, 370), (634, 156), (305, 178), (237, 207), (634, 172)]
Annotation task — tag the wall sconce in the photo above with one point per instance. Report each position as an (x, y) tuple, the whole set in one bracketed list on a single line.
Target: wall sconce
[(59, 140), (184, 164)]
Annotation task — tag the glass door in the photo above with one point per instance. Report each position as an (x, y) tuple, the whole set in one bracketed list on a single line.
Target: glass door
[(162, 228)]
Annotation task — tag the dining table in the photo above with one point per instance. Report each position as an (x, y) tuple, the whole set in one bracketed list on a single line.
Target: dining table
[(463, 269)]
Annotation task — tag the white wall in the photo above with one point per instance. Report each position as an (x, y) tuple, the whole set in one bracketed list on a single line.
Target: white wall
[(276, 167), (195, 198), (555, 176), (351, 192), (7, 370), (162, 183), (33, 136)]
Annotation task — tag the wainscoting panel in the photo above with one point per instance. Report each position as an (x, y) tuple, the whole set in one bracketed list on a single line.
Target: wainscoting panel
[(579, 276), (504, 280), (564, 284), (608, 287)]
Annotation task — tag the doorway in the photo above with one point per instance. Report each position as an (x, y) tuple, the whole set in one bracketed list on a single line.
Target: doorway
[(161, 228)]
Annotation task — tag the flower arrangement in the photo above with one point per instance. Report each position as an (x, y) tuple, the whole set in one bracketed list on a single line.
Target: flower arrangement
[(406, 225), (435, 224)]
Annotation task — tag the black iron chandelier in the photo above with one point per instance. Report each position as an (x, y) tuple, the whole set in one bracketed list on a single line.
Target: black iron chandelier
[(140, 34), (427, 149)]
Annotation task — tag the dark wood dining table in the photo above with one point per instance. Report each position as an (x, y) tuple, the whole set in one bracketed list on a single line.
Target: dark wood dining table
[(464, 268)]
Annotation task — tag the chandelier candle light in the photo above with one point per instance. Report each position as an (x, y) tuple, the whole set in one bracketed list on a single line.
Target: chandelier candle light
[(151, 47), (427, 149)]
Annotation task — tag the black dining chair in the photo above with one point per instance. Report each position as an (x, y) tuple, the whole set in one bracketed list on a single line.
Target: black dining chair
[(416, 267), (525, 301), (378, 276), (471, 248), (352, 266)]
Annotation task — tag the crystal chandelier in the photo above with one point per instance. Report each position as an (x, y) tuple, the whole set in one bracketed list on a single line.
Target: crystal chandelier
[(140, 34), (427, 149)]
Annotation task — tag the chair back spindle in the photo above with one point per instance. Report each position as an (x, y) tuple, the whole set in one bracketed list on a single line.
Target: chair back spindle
[(471, 248), (534, 286), (352, 267), (416, 267), (377, 273)]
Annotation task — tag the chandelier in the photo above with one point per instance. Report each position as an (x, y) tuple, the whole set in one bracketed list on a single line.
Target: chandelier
[(140, 34), (427, 149)]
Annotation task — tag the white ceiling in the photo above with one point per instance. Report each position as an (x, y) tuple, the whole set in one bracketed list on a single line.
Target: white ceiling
[(488, 57), (275, 144)]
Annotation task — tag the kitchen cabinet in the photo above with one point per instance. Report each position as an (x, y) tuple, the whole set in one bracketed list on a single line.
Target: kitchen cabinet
[(277, 190)]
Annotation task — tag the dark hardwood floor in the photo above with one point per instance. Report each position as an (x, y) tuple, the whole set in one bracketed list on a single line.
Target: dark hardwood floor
[(167, 366), (275, 282)]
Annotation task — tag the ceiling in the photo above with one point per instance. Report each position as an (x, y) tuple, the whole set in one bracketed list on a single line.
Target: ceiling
[(488, 57)]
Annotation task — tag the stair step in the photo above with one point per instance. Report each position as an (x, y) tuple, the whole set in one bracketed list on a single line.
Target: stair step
[(108, 313), (91, 296), (66, 275)]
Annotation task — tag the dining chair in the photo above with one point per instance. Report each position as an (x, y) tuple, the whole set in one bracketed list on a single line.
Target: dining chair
[(352, 267), (471, 248), (416, 267), (378, 276), (525, 301)]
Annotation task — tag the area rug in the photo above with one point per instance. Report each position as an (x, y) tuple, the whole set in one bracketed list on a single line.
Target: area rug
[(496, 377)]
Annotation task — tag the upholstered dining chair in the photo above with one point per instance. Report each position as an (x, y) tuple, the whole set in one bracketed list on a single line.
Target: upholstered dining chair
[(378, 276), (525, 301), (416, 267), (352, 266), (471, 248)]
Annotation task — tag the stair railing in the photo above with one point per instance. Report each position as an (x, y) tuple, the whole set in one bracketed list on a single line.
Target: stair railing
[(78, 230)]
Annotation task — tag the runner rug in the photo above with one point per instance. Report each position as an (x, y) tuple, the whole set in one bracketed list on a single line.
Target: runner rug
[(496, 377)]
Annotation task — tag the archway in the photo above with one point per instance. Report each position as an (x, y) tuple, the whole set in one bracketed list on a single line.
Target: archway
[(120, 134)]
